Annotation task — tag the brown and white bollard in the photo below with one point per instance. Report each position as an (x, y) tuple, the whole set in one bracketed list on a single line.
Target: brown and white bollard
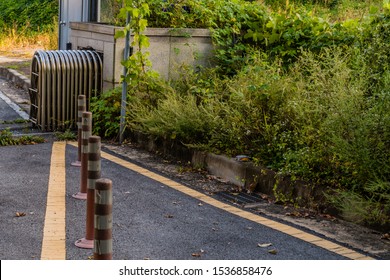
[(81, 107), (94, 173), (103, 220), (86, 132)]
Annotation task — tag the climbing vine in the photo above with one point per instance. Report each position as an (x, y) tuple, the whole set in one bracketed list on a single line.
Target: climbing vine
[(137, 64)]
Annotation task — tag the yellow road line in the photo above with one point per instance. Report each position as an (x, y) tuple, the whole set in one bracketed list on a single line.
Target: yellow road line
[(310, 238), (53, 243)]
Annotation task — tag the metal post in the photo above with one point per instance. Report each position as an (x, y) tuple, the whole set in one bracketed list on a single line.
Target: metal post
[(103, 220), (124, 83), (94, 173), (86, 133), (81, 108)]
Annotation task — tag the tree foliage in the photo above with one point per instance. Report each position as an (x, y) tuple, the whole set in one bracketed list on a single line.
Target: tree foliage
[(29, 15)]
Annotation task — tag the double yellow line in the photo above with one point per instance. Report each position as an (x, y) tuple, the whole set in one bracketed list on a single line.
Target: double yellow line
[(53, 245)]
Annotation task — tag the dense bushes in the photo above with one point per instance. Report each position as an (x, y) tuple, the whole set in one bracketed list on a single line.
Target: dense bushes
[(28, 15), (28, 24), (304, 97)]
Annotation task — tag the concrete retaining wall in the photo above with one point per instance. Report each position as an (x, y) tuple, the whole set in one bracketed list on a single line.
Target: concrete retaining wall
[(169, 48), (15, 77), (246, 175)]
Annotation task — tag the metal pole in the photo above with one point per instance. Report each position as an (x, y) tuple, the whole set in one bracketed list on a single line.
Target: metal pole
[(103, 220), (94, 173), (81, 105), (124, 83), (86, 132)]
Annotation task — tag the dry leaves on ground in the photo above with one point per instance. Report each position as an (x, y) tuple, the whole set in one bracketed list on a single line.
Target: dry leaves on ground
[(20, 214), (263, 245)]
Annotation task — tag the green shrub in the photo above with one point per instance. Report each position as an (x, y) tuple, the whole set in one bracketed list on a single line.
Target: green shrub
[(28, 15), (303, 96), (175, 117), (106, 113), (7, 139), (369, 208)]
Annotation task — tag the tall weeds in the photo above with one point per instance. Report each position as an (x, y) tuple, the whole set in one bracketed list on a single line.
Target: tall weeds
[(28, 25), (322, 116)]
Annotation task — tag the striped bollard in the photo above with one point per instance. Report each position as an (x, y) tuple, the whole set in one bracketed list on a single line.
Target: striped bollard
[(86, 132), (81, 107), (94, 173), (103, 220)]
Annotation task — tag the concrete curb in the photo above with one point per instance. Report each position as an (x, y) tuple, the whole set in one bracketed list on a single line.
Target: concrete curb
[(15, 77), (250, 177), (245, 175)]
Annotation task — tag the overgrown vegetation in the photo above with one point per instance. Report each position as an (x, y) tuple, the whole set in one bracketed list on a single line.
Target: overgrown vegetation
[(301, 86), (28, 24), (303, 95), (66, 135), (8, 139)]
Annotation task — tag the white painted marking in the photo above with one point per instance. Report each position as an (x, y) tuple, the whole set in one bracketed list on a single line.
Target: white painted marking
[(14, 106)]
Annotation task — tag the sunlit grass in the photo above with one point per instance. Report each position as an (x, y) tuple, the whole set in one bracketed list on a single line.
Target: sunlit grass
[(332, 10), (22, 44)]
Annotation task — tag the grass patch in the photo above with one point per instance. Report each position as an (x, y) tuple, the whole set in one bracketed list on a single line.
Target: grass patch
[(67, 135), (17, 121), (16, 44), (8, 139), (23, 67)]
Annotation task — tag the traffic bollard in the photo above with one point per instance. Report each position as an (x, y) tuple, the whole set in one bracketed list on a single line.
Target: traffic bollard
[(86, 132), (94, 173), (81, 107), (103, 220)]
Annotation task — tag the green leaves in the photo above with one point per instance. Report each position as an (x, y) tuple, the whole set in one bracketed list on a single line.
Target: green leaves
[(30, 15), (138, 64), (7, 139)]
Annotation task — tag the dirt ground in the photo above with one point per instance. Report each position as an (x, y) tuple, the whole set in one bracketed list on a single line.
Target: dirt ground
[(376, 243)]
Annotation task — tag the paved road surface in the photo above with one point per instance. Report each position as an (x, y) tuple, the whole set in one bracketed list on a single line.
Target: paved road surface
[(153, 217)]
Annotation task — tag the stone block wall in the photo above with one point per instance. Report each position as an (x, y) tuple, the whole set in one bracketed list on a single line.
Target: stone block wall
[(169, 48)]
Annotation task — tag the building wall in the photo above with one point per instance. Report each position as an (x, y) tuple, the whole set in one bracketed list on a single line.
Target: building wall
[(169, 48)]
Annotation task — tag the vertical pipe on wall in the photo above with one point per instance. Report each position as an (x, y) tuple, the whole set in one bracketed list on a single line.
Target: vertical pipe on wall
[(124, 83)]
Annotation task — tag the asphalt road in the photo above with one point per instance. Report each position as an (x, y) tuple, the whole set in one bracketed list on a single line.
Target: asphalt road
[(151, 220)]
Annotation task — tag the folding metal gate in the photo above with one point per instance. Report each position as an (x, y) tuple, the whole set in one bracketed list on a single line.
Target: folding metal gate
[(57, 78)]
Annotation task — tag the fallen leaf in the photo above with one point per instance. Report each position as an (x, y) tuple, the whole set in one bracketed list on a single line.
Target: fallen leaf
[(263, 245), (196, 255), (273, 252), (329, 217), (169, 216), (200, 204), (264, 196), (20, 214), (293, 214), (386, 236)]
